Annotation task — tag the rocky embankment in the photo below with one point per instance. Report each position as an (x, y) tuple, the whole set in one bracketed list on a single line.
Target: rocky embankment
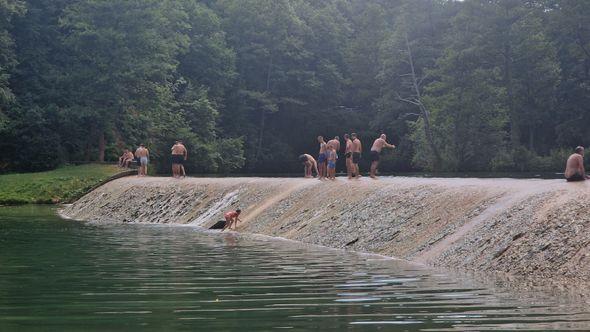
[(531, 228)]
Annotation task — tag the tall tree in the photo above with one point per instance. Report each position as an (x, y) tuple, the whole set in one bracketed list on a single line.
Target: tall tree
[(124, 57), (8, 9)]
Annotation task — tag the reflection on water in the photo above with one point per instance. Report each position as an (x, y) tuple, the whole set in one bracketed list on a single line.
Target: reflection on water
[(64, 275)]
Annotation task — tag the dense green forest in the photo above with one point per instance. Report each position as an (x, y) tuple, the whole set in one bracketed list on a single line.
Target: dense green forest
[(494, 85)]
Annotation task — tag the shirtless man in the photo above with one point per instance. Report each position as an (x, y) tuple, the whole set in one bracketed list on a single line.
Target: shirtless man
[(574, 168), (179, 155), (310, 164), (348, 155), (378, 145), (335, 143), (322, 158), (357, 149), (143, 154), (126, 158)]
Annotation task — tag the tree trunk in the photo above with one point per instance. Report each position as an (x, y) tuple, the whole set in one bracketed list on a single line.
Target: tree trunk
[(89, 143), (101, 146), (87, 152), (424, 112), (514, 129), (263, 112), (531, 138)]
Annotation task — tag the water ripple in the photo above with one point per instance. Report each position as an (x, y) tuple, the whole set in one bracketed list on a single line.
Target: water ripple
[(69, 276)]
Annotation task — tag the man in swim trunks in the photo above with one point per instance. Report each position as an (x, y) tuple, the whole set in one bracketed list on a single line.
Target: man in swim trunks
[(322, 158), (378, 145), (143, 154), (310, 164), (357, 149), (331, 157), (335, 143), (348, 155), (179, 155), (574, 168), (231, 217)]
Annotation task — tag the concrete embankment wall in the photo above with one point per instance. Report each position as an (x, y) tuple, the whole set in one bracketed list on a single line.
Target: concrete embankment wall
[(532, 228)]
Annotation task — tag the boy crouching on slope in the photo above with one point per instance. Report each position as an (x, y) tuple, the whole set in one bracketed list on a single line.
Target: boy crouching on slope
[(231, 217)]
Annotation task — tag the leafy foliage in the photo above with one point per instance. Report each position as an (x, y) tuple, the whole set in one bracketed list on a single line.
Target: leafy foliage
[(469, 85)]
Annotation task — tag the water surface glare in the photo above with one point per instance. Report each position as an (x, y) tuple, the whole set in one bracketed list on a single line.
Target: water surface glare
[(59, 275)]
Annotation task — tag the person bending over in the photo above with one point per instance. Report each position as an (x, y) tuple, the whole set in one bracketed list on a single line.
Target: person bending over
[(231, 217), (574, 168), (310, 165)]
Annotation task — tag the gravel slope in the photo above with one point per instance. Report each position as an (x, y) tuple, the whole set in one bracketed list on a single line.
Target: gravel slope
[(530, 228)]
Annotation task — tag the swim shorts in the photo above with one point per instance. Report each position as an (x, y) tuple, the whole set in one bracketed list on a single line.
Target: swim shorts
[(177, 159), (374, 156), (356, 157), (576, 177), (143, 161), (331, 164), (322, 158)]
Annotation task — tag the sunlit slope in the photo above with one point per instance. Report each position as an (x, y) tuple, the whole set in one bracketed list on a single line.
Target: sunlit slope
[(536, 228)]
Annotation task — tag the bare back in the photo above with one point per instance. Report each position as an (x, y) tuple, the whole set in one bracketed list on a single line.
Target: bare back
[(334, 143), (378, 145), (178, 149), (348, 146), (141, 152), (357, 145), (575, 164)]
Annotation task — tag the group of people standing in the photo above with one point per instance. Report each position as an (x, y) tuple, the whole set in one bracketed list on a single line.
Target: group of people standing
[(325, 166), (142, 155)]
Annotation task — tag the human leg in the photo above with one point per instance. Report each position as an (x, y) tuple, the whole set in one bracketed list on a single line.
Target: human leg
[(374, 165)]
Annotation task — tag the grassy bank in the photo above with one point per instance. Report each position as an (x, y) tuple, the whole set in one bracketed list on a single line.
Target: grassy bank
[(58, 186)]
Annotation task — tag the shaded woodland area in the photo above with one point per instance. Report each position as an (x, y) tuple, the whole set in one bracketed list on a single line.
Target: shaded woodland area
[(496, 85)]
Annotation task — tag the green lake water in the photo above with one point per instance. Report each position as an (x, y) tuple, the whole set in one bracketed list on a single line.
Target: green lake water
[(61, 275)]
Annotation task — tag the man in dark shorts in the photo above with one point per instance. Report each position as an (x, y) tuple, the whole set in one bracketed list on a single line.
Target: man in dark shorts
[(357, 149), (574, 168), (178, 157), (378, 145)]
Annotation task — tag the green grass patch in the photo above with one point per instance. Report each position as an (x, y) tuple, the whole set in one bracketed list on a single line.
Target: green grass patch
[(58, 186)]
